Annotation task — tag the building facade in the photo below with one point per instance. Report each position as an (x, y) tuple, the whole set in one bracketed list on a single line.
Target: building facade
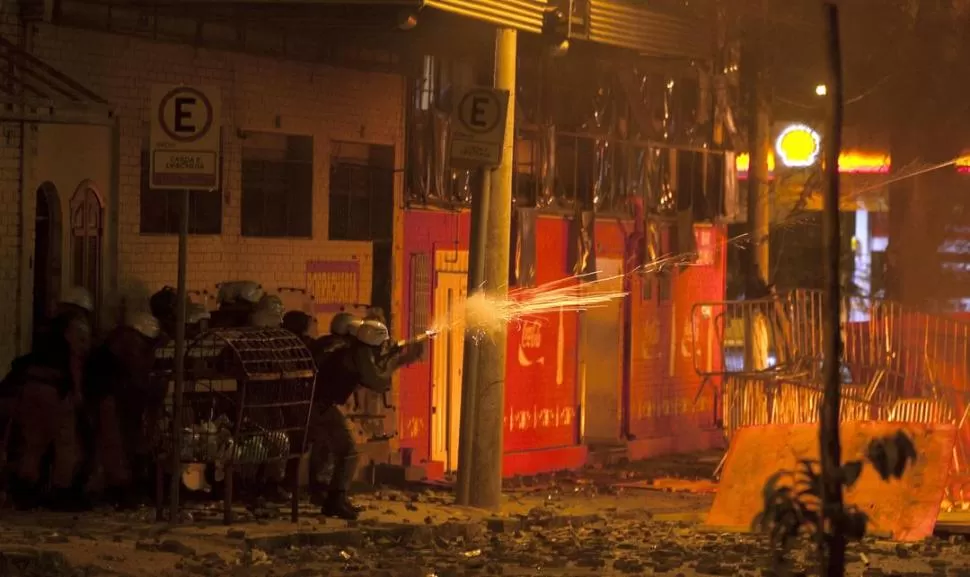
[(322, 192)]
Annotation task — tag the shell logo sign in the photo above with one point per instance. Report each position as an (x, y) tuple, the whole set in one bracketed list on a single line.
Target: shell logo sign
[(798, 146)]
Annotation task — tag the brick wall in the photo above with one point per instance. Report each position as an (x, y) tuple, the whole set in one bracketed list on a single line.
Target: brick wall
[(257, 94), (9, 207)]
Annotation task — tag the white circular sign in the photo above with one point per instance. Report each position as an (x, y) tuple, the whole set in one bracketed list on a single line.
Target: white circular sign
[(185, 115), (480, 111)]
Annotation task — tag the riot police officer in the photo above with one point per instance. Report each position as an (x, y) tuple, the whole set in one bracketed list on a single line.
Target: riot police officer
[(361, 363)]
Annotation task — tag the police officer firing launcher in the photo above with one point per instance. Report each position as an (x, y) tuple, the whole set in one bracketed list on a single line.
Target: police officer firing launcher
[(365, 358)]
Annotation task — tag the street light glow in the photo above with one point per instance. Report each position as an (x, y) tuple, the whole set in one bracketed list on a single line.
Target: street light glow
[(821, 90)]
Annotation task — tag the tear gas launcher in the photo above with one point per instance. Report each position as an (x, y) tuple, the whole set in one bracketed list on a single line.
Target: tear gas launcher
[(426, 335)]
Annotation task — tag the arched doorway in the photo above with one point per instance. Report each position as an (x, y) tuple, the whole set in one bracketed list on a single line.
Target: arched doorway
[(86, 236), (47, 254)]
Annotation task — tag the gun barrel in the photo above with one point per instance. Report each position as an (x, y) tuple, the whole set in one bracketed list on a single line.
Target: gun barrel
[(418, 339)]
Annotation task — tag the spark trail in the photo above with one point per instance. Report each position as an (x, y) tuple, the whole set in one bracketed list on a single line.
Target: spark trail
[(484, 313)]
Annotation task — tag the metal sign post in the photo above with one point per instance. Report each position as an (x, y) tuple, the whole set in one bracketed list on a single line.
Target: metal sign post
[(478, 131), (184, 156)]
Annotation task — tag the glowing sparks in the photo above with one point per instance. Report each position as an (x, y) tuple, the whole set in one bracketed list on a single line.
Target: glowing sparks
[(485, 313)]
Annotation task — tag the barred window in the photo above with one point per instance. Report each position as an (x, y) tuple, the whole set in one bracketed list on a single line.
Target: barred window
[(277, 185)]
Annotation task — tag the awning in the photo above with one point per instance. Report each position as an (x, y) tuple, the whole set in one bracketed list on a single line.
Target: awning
[(33, 91)]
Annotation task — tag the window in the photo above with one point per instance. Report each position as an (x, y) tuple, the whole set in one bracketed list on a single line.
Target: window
[(277, 185), (86, 235), (160, 209), (361, 192)]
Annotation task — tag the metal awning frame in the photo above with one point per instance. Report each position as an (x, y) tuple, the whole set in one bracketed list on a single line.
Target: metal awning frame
[(37, 93)]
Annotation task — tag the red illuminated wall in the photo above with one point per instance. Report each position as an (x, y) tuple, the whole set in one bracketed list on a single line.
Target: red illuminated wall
[(663, 381), (540, 397), (541, 428), (425, 231)]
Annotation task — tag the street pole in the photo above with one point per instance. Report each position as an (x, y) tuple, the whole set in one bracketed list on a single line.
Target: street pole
[(759, 206), (469, 374), (832, 555), (486, 468), (173, 517)]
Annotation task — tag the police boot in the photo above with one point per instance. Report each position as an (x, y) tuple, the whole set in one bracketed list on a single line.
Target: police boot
[(121, 498), (68, 500), (339, 506), (24, 494), (274, 493)]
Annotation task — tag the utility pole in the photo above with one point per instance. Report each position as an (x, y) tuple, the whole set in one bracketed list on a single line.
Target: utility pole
[(485, 487), (472, 358), (759, 146), (832, 555), (759, 138)]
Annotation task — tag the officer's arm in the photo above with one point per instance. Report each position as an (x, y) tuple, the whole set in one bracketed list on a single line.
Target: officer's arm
[(373, 375)]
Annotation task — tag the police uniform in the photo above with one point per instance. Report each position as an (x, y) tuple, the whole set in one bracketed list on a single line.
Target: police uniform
[(47, 406), (117, 378), (358, 363)]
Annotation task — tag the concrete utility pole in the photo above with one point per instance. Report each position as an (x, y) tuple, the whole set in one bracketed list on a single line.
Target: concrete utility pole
[(832, 554), (485, 488), (759, 147), (472, 360), (759, 137)]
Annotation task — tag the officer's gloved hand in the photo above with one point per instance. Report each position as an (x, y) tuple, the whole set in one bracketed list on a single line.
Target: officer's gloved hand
[(413, 353)]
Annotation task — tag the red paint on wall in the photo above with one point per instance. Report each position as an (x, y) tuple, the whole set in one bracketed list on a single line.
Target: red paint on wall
[(662, 387), (542, 401), (425, 231), (540, 394)]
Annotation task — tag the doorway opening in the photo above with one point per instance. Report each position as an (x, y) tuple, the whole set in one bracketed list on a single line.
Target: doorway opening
[(47, 256), (447, 354)]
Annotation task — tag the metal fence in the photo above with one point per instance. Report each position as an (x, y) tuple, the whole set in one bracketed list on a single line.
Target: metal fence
[(897, 364)]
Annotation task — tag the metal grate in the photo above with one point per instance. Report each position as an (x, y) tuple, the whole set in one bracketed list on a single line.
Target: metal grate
[(420, 293)]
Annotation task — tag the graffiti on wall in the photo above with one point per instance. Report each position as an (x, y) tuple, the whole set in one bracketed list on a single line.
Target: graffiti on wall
[(524, 419), (706, 245), (412, 429), (673, 407), (333, 284)]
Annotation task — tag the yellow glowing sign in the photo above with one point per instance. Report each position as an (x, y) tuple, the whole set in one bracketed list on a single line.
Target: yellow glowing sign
[(849, 163), (798, 146)]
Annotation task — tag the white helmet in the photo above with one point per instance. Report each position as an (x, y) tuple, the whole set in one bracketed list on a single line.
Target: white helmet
[(250, 292), (146, 324), (373, 333), (272, 303), (196, 313), (343, 323), (266, 319), (354, 326), (79, 297)]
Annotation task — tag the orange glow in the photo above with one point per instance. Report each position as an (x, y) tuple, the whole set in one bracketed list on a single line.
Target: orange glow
[(963, 164), (849, 163)]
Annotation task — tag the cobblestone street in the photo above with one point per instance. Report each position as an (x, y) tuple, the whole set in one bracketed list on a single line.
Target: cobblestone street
[(575, 525)]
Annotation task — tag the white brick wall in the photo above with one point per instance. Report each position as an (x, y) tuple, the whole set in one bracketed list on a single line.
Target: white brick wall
[(257, 94), (9, 208)]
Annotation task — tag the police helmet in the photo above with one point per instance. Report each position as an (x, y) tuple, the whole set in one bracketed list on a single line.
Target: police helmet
[(146, 324), (251, 292), (195, 313), (342, 324), (266, 319), (271, 303), (80, 297), (373, 333)]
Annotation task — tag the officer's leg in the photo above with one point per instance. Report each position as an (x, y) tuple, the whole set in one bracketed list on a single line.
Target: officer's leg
[(319, 473), (35, 418), (64, 492), (111, 448), (345, 464)]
